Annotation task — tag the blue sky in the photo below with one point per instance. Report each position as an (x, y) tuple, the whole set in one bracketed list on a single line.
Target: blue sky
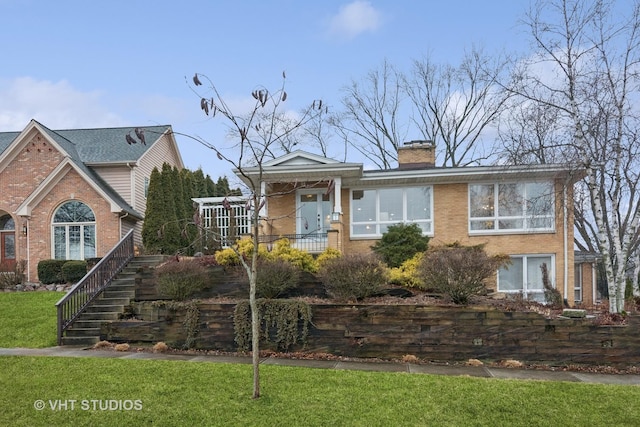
[(78, 63)]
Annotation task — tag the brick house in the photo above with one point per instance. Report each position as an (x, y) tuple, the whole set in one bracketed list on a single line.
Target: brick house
[(523, 211), (72, 194)]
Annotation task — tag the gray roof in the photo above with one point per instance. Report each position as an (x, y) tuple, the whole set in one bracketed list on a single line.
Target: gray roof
[(99, 145), (96, 146)]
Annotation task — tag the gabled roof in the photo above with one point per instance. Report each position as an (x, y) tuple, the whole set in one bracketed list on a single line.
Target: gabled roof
[(299, 157), (84, 147), (99, 145), (300, 166)]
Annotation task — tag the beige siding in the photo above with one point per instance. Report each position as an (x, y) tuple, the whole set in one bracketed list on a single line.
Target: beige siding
[(162, 151), (118, 177)]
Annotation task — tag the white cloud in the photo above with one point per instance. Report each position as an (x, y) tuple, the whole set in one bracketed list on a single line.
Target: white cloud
[(354, 19), (56, 105)]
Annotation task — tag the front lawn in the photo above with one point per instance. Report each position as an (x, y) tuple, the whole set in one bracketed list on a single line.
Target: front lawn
[(174, 393), (28, 319)]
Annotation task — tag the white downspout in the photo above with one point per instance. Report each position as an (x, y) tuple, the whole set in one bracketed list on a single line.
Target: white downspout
[(28, 251), (566, 243)]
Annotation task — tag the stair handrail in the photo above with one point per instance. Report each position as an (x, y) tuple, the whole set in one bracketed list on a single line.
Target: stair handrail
[(93, 283)]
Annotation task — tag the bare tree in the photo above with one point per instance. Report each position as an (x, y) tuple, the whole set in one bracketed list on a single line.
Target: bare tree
[(585, 69), (450, 105), (530, 134), (369, 121), (454, 105), (260, 135)]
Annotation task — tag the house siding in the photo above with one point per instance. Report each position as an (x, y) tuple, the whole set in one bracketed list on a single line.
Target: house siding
[(118, 178), (162, 151), (281, 210)]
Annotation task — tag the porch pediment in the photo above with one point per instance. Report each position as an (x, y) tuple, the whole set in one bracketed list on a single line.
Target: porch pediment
[(299, 166), (299, 157)]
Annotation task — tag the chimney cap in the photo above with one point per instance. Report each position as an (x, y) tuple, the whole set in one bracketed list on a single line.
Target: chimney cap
[(419, 142)]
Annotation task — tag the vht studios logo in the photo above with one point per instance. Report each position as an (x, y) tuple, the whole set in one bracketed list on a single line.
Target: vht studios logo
[(88, 405)]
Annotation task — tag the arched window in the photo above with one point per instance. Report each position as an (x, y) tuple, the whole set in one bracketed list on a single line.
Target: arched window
[(7, 223), (74, 231)]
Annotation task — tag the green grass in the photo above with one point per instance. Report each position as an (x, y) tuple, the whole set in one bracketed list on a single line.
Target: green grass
[(174, 393), (28, 319)]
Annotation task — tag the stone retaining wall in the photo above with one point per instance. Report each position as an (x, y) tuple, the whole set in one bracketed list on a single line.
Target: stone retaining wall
[(434, 333)]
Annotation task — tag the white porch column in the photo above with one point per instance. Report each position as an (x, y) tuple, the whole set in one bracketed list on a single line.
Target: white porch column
[(337, 194), (263, 196)]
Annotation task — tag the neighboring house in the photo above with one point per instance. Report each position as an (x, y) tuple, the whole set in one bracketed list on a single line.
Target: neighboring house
[(523, 211), (586, 289), (72, 194)]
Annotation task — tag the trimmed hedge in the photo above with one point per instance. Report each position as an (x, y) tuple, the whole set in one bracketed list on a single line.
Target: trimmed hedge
[(50, 271), (61, 271), (73, 270)]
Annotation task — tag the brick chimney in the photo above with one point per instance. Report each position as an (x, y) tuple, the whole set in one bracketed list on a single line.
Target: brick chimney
[(417, 155)]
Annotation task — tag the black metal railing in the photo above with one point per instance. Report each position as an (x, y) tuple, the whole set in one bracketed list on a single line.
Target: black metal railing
[(93, 283), (311, 242)]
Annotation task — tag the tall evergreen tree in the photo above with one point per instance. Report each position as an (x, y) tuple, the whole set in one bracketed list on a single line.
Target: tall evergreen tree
[(172, 241), (190, 233), (199, 184), (210, 187), (154, 217)]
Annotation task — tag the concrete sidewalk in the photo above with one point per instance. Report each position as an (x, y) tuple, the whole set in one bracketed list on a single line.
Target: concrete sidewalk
[(458, 370)]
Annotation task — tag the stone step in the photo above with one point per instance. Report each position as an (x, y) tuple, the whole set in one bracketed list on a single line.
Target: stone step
[(80, 341), (119, 293), (122, 283), (99, 315), (93, 308), (83, 332), (89, 324), (104, 300)]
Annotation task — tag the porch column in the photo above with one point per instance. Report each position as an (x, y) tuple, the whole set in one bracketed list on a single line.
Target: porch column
[(337, 194), (263, 196)]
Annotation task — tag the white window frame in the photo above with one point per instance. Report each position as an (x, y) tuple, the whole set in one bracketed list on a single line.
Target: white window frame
[(525, 217), (577, 282), (533, 293), (66, 226), (146, 187), (379, 223)]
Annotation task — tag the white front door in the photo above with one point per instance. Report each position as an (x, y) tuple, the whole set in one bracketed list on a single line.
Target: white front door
[(314, 212)]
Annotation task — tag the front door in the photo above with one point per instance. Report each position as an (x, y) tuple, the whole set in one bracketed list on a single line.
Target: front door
[(314, 212), (7, 243)]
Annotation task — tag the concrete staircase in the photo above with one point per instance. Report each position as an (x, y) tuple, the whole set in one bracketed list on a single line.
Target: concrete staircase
[(85, 331)]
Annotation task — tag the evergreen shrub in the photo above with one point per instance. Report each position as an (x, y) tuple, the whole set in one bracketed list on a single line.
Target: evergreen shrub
[(73, 270), (401, 242), (353, 276), (50, 271)]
